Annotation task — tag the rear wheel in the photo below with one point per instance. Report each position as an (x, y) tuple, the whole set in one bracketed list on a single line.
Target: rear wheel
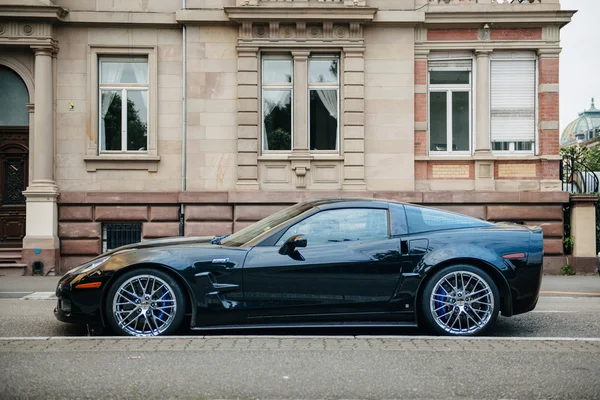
[(460, 300), (145, 302)]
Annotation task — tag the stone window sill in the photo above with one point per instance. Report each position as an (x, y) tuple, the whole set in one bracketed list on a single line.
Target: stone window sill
[(121, 162), (291, 156)]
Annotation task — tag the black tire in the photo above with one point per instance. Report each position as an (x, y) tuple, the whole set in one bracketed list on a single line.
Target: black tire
[(151, 309), (480, 315)]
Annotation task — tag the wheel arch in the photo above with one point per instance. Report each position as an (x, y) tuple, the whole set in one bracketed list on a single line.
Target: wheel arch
[(499, 280), (190, 298)]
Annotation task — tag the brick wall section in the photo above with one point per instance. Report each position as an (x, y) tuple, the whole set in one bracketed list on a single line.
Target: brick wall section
[(450, 171), (420, 170), (452, 34), (550, 170), (518, 170), (517, 34), (429, 170), (549, 71), (548, 106), (420, 143), (420, 72), (420, 107), (549, 142)]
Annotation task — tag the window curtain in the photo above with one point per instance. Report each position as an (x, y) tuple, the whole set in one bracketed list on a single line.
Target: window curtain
[(329, 99), (141, 76)]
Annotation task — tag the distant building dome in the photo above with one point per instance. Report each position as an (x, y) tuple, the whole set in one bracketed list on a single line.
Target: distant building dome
[(583, 129)]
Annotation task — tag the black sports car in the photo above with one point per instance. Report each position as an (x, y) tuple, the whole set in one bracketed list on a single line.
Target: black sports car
[(333, 262)]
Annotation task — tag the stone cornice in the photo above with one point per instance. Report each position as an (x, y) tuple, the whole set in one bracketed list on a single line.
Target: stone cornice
[(32, 13), (127, 18), (300, 34), (399, 17), (201, 15), (27, 33), (514, 18), (306, 14)]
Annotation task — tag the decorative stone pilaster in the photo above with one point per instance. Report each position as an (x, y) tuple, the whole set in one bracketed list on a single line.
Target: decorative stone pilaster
[(353, 107), (41, 240), (482, 118), (300, 144), (248, 119), (484, 175), (484, 168)]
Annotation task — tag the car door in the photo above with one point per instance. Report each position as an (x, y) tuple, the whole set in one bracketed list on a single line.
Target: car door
[(349, 266)]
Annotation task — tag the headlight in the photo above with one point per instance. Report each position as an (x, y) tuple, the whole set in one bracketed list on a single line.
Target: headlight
[(85, 268)]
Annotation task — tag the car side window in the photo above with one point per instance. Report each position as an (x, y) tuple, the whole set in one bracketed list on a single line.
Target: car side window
[(398, 219), (340, 225), (422, 219)]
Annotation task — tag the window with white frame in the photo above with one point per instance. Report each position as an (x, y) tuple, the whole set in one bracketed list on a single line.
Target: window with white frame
[(450, 106), (513, 101), (123, 104), (277, 94), (323, 95)]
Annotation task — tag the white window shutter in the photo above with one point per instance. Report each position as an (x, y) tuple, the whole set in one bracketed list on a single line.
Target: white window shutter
[(513, 100), (449, 65)]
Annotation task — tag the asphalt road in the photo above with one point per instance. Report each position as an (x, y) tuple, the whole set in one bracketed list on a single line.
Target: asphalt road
[(313, 368), (552, 353)]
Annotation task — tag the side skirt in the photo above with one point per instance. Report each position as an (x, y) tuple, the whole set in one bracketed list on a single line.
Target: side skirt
[(361, 324)]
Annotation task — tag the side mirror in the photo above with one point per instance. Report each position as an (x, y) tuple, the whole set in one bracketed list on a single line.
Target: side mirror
[(290, 246)]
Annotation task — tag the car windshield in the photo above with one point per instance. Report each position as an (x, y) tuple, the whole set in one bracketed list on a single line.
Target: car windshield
[(264, 225)]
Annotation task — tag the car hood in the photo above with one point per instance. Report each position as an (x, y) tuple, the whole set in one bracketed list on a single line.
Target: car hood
[(174, 241)]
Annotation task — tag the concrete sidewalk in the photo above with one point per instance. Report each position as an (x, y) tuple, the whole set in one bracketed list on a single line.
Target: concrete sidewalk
[(570, 284)]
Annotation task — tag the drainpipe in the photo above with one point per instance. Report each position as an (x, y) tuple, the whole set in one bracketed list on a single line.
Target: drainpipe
[(183, 127)]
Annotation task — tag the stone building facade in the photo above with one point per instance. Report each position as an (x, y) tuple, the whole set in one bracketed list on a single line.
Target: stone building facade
[(199, 117)]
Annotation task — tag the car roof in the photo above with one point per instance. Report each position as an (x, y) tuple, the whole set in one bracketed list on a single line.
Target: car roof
[(334, 202)]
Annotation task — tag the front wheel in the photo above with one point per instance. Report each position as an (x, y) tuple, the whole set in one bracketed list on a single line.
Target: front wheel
[(145, 302), (460, 300)]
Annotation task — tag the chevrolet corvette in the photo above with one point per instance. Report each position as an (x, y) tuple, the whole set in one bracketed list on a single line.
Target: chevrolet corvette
[(320, 263)]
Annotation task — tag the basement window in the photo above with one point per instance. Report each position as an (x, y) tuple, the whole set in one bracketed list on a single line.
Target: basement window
[(117, 234)]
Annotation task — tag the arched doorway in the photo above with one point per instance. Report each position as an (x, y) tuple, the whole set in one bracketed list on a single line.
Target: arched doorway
[(14, 156)]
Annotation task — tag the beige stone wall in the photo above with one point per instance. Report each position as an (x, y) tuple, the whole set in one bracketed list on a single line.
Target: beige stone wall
[(389, 105), (73, 128), (212, 107), (141, 5)]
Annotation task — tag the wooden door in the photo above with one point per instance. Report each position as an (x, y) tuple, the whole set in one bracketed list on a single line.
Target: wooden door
[(14, 173)]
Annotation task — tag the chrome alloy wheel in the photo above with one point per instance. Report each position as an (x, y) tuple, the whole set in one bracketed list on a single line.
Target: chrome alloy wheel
[(462, 303), (144, 305)]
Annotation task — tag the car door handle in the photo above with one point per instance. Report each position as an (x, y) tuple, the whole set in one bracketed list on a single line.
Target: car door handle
[(403, 247)]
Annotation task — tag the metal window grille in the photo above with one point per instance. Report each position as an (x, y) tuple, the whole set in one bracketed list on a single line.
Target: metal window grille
[(120, 234)]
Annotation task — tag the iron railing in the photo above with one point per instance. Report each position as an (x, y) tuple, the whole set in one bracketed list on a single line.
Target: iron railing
[(578, 178)]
